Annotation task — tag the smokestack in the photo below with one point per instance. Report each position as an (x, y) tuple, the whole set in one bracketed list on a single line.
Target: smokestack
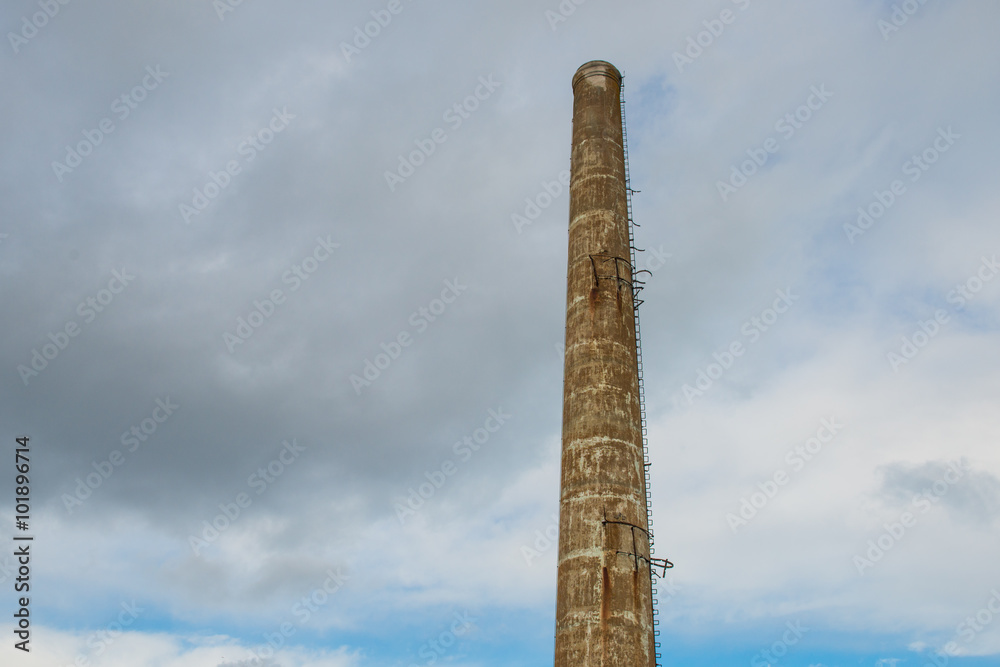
[(604, 605)]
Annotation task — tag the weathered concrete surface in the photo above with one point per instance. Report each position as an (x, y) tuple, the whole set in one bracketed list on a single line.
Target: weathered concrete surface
[(603, 608)]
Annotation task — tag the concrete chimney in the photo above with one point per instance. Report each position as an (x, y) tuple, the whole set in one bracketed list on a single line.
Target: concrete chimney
[(604, 613)]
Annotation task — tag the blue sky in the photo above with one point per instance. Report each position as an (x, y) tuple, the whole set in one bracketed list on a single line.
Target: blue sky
[(285, 228)]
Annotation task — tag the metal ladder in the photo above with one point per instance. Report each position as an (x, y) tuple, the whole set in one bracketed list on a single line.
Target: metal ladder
[(637, 287)]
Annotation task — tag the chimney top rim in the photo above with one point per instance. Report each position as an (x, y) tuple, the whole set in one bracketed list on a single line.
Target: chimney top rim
[(597, 68)]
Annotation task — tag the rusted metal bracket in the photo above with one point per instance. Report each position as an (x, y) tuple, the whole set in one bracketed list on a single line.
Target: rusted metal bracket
[(632, 528), (618, 276), (661, 562), (634, 554), (638, 285)]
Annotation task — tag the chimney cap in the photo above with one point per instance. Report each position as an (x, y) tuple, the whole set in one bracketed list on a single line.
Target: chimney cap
[(597, 68)]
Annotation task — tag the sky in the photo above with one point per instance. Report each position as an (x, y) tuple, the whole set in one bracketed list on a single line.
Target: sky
[(283, 288)]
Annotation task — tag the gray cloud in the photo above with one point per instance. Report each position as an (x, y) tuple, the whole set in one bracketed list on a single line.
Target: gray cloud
[(968, 494)]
